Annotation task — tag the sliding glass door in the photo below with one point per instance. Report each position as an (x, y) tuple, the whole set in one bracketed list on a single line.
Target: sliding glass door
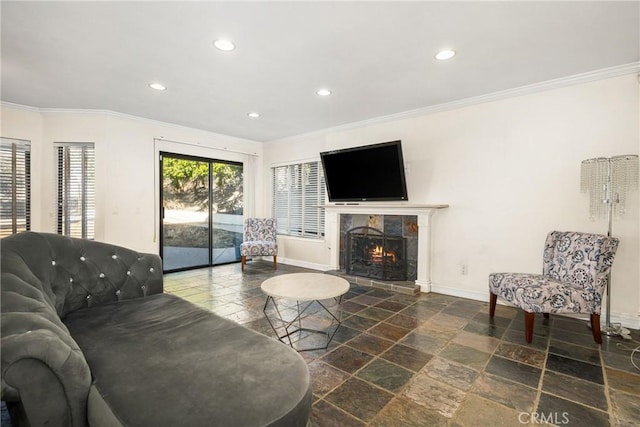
[(201, 211)]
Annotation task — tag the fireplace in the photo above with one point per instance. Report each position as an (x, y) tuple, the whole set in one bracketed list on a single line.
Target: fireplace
[(410, 221), (371, 253)]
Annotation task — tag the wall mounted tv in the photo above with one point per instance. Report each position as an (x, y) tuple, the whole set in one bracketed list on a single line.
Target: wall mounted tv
[(368, 173)]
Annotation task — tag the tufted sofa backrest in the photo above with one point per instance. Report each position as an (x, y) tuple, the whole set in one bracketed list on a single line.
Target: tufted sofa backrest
[(76, 273), (579, 259), (43, 278)]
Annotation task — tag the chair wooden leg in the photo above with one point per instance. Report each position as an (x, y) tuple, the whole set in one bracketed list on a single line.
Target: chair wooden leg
[(595, 328), (243, 260), (275, 263), (493, 298), (528, 326)]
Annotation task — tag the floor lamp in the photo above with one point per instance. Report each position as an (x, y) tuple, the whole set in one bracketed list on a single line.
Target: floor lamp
[(608, 180)]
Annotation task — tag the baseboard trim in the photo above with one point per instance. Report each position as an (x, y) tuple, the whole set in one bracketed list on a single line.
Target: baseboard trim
[(424, 286), (625, 319), (303, 264), (462, 293)]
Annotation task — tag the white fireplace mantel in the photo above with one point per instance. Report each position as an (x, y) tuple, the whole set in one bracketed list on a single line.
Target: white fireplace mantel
[(423, 212)]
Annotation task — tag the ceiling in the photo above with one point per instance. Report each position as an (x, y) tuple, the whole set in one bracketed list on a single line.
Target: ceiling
[(377, 58)]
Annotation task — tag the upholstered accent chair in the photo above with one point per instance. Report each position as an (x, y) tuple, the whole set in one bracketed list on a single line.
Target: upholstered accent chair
[(573, 279), (259, 239)]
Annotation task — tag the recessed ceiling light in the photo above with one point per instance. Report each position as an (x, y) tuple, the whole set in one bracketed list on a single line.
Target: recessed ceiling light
[(157, 86), (225, 45), (323, 92), (445, 54), (253, 115)]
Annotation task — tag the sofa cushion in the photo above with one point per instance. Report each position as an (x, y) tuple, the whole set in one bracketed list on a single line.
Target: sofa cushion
[(161, 360)]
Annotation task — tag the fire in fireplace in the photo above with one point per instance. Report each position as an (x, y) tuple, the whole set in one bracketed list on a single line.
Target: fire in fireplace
[(371, 253)]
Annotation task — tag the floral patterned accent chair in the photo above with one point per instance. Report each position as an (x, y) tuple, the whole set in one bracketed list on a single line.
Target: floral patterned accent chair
[(259, 239), (573, 279)]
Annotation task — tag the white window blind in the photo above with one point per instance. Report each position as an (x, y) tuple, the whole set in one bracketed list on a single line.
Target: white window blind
[(298, 191), (15, 186), (76, 190)]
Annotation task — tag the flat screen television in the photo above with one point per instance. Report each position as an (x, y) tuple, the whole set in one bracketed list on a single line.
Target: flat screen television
[(368, 173)]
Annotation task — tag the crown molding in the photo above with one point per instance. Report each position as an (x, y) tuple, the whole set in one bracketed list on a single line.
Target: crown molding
[(605, 73), (45, 110), (20, 107), (115, 114)]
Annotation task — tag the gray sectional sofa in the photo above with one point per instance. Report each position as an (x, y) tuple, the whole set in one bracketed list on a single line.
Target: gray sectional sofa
[(89, 338)]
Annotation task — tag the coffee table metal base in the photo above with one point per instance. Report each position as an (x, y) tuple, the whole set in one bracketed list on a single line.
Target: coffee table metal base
[(298, 319)]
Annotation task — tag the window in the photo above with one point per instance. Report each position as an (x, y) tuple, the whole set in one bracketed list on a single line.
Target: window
[(15, 186), (76, 190), (298, 192)]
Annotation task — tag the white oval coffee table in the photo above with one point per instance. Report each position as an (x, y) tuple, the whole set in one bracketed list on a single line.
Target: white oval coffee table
[(308, 288)]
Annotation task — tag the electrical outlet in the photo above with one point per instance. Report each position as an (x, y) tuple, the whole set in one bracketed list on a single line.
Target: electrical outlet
[(464, 270)]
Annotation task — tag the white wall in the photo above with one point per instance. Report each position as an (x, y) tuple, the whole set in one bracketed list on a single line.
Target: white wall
[(510, 170), (127, 174)]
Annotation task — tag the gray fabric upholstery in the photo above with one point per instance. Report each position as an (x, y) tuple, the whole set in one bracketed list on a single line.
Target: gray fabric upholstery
[(45, 276), (76, 311), (163, 361)]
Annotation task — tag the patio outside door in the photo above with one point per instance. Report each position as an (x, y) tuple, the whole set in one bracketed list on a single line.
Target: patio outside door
[(201, 212)]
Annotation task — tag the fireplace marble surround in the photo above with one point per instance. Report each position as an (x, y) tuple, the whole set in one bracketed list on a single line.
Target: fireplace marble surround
[(423, 212)]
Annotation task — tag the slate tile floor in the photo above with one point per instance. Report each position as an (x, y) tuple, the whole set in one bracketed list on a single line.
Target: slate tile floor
[(437, 360)]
